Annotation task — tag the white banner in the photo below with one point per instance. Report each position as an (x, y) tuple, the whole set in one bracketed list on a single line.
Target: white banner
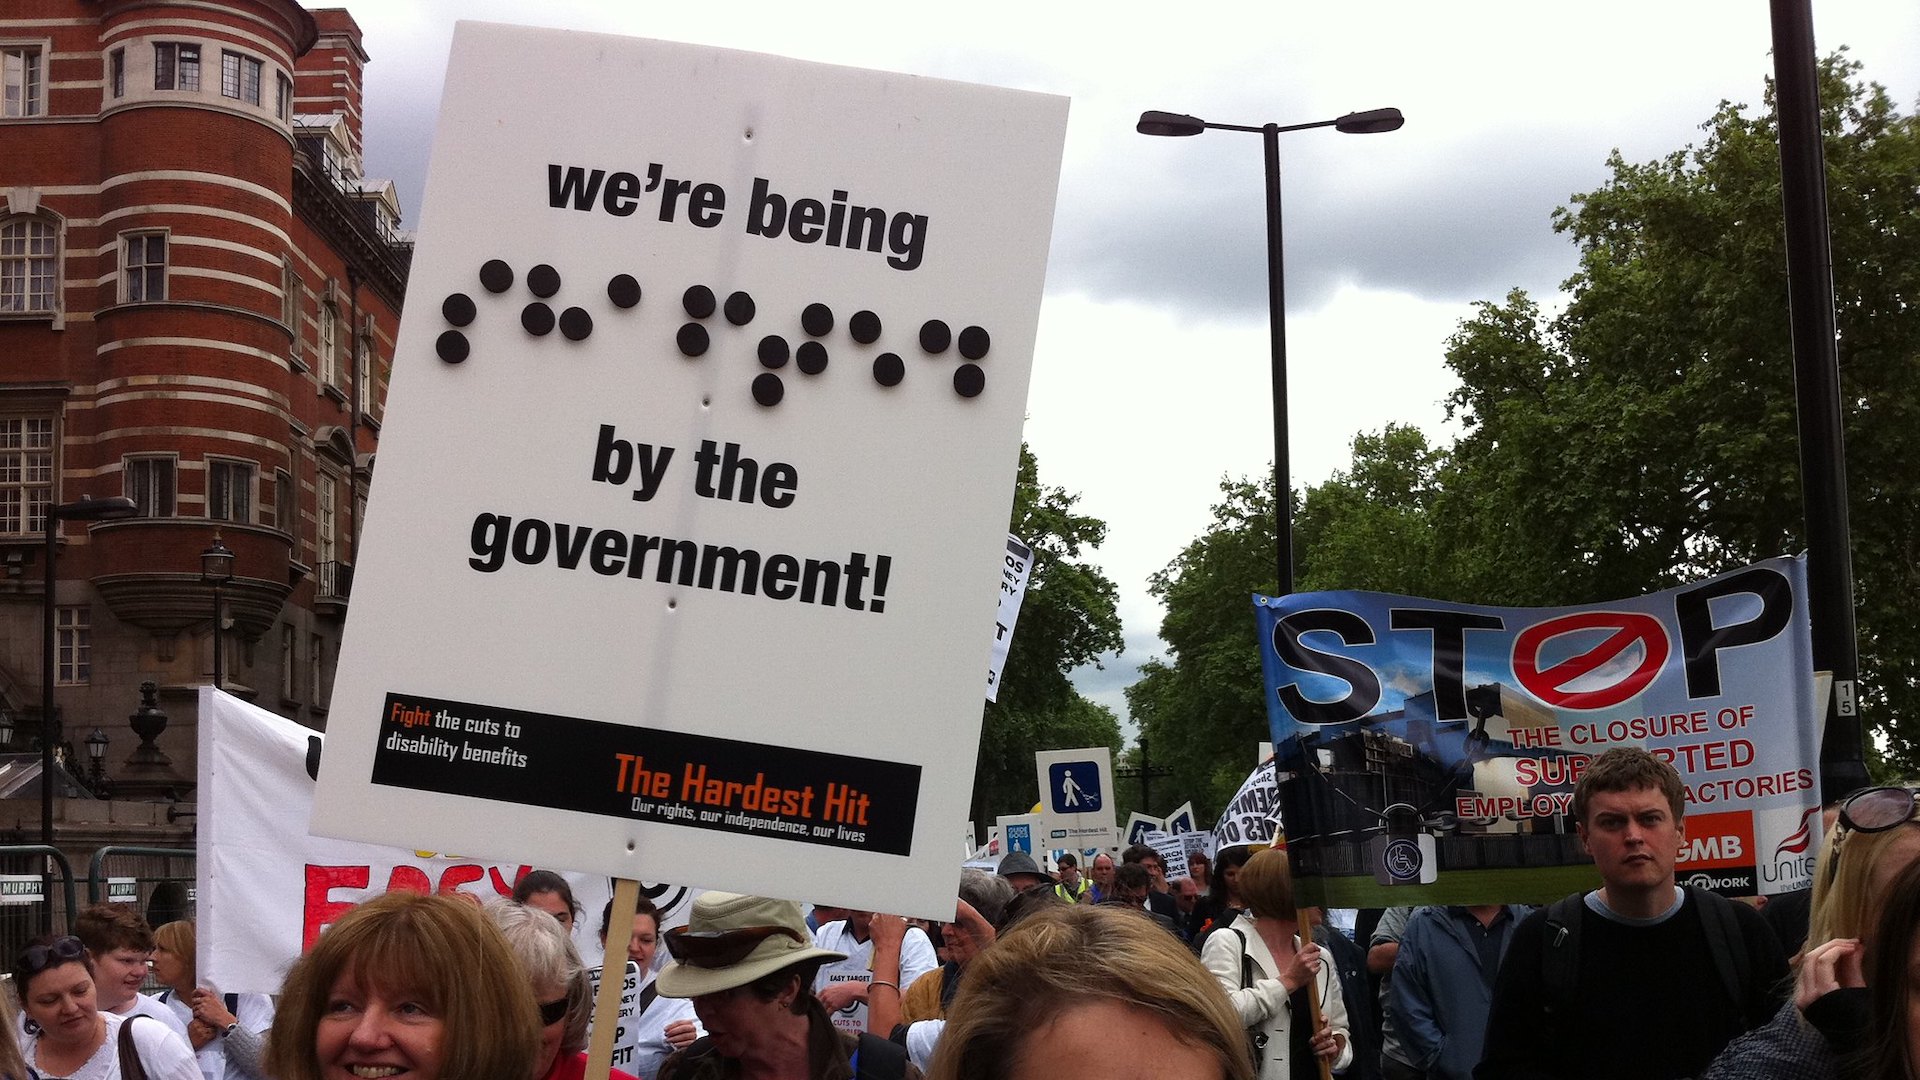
[(266, 889), (1250, 818), (1014, 572)]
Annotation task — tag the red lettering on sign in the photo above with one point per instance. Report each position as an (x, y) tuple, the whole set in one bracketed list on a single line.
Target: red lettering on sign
[(319, 908), (1549, 684), (409, 879), (455, 876)]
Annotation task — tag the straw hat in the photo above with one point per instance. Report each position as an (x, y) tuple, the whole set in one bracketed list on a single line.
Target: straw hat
[(722, 913)]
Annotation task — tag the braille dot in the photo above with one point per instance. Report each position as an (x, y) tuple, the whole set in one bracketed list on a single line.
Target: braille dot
[(810, 357), (623, 290), (692, 339), (865, 327), (740, 309), (496, 276), (969, 380), (889, 369), (537, 318), (698, 300), (458, 309), (543, 281), (452, 346), (773, 351), (576, 324), (974, 342), (768, 389), (817, 320), (935, 336)]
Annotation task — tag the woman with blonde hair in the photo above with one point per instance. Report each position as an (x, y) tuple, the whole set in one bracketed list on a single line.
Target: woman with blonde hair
[(223, 1042), (1875, 840), (1267, 972), (405, 987), (1079, 983)]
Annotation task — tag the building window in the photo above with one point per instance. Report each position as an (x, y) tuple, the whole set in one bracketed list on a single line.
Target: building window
[(326, 540), (26, 473), (240, 77), (117, 73), (329, 344), (28, 261), (284, 503), (363, 375), (25, 93), (289, 665), (284, 99), (143, 264), (73, 646), (150, 484), (176, 66), (290, 296), (230, 490), (316, 665)]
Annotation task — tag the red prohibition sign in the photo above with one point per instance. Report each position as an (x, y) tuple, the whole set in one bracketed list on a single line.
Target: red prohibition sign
[(1549, 685)]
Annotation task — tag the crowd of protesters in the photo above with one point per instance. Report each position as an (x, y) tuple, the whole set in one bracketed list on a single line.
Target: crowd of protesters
[(1123, 972)]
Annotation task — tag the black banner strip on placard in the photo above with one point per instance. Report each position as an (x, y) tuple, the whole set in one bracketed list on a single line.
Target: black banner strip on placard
[(670, 777)]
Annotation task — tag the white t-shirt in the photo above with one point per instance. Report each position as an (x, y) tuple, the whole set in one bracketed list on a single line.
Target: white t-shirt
[(650, 1046), (916, 959), (165, 1055), (253, 1011)]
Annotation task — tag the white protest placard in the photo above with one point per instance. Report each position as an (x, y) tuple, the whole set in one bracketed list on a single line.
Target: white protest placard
[(1075, 786), (1181, 820), (1250, 815), (1172, 850), (1139, 825), (701, 443), (265, 889), (1021, 832), (1015, 569)]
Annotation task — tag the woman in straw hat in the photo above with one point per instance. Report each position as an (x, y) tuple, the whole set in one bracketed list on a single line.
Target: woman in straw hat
[(748, 964)]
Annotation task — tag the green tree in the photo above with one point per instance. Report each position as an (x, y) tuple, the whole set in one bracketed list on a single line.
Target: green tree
[(1646, 435), (1068, 618)]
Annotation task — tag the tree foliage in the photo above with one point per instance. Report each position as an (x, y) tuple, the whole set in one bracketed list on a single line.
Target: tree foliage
[(1643, 436), (1068, 618)]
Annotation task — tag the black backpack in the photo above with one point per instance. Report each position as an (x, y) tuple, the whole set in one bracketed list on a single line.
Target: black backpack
[(1560, 959)]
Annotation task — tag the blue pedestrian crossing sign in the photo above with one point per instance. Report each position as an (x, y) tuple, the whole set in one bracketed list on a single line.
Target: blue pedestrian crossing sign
[(1073, 788)]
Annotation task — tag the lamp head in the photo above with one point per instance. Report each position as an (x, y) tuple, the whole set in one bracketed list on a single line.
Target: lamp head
[(216, 563), (1370, 122), (1155, 122), (87, 508)]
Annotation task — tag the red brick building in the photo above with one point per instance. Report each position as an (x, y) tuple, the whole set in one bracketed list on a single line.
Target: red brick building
[(199, 292)]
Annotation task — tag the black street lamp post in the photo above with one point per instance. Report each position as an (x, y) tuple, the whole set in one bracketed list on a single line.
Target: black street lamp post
[(84, 509), (1358, 123), (216, 569)]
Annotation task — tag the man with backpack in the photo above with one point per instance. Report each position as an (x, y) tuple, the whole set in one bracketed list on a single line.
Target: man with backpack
[(1640, 978)]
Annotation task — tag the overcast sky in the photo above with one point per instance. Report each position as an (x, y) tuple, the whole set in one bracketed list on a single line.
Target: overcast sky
[(1150, 375)]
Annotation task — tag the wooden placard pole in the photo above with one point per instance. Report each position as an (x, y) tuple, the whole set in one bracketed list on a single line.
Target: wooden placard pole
[(1313, 989), (606, 1004)]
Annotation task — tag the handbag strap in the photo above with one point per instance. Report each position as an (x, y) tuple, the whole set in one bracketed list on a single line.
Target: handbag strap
[(131, 1068)]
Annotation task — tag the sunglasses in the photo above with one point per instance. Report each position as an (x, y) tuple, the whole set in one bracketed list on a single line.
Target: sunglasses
[(1878, 809), (1870, 810), (719, 948), (552, 1012), (38, 958)]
